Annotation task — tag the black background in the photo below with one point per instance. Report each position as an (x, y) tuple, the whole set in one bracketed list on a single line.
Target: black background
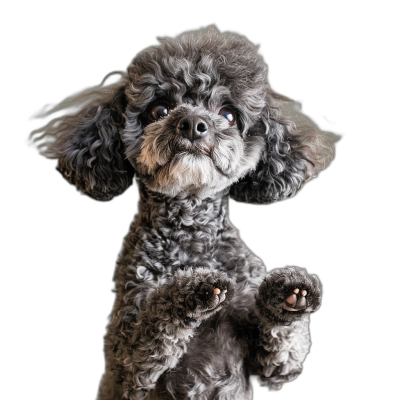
[(64, 245)]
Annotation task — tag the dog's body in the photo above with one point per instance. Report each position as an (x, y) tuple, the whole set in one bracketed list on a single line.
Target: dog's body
[(195, 313)]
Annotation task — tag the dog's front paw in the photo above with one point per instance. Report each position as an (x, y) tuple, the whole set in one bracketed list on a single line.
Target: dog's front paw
[(287, 294), (201, 292)]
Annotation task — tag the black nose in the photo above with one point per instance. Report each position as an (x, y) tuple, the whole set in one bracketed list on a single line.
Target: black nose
[(192, 128)]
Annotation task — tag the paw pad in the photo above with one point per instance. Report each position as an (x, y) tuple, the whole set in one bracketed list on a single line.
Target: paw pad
[(221, 294), (208, 296), (296, 302)]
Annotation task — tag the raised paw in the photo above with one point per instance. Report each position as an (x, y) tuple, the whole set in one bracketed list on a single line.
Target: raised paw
[(288, 293), (202, 292)]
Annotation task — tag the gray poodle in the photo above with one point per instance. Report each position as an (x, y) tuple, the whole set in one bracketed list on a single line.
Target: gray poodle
[(195, 120)]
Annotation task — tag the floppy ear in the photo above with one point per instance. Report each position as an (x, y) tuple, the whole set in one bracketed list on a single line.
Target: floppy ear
[(295, 151), (88, 144)]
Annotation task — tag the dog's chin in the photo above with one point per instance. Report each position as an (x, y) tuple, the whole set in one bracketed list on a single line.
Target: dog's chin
[(193, 173)]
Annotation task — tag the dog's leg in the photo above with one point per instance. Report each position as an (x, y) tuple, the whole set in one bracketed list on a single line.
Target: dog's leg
[(286, 298), (164, 328)]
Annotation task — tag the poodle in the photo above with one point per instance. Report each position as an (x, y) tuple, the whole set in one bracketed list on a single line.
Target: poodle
[(195, 120)]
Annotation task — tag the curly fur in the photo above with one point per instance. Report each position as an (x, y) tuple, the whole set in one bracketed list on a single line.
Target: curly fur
[(171, 336)]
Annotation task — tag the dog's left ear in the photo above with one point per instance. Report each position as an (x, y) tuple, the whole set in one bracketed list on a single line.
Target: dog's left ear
[(88, 144), (295, 151)]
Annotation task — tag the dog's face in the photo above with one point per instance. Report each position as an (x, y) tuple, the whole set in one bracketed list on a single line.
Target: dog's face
[(195, 115), (195, 150), (192, 104)]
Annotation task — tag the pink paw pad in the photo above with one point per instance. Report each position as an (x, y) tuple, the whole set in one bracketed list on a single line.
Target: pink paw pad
[(221, 294), (296, 302)]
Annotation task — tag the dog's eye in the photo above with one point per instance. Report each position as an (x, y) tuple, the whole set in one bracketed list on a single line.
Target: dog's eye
[(160, 110), (229, 114)]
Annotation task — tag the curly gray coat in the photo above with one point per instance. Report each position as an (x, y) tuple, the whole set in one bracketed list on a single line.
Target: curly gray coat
[(196, 313)]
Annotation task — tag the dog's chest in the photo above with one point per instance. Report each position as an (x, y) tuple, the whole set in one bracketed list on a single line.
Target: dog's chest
[(180, 245), (175, 234), (168, 236)]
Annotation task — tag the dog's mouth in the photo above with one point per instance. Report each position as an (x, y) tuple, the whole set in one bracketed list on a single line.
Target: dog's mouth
[(199, 153), (197, 148)]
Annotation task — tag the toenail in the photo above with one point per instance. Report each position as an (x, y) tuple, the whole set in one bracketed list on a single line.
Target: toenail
[(304, 292), (217, 291), (296, 291)]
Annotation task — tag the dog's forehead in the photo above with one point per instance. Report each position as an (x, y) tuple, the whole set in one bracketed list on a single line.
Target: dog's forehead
[(223, 69), (182, 78)]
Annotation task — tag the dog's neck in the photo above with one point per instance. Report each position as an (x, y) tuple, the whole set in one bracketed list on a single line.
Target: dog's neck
[(184, 212)]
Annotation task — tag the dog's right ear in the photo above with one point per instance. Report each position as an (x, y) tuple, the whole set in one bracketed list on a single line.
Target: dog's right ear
[(88, 143)]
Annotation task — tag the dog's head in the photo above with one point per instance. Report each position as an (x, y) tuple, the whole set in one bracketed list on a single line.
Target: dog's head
[(194, 114)]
